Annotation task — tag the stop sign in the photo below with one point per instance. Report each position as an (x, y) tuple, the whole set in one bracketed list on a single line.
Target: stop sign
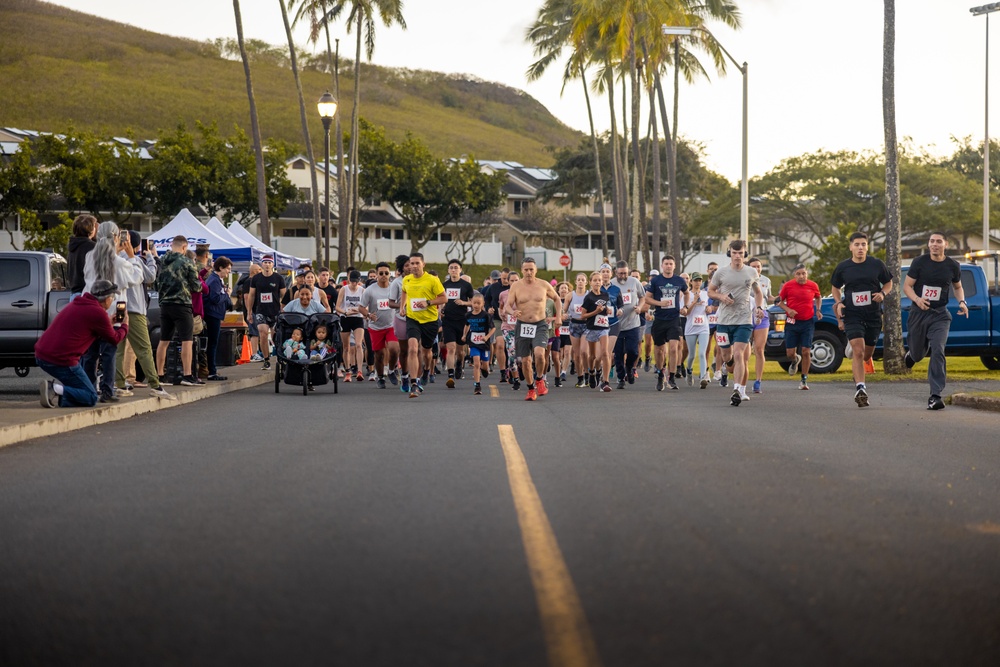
[(564, 260)]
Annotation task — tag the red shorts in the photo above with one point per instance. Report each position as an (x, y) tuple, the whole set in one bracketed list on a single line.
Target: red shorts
[(380, 337)]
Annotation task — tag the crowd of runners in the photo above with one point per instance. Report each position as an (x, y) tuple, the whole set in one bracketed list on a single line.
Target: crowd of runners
[(407, 327)]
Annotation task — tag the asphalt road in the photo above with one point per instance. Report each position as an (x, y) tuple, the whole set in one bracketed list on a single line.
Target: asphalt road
[(646, 529)]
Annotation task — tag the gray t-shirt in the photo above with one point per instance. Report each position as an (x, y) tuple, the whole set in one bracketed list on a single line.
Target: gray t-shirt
[(632, 295), (395, 293), (376, 299), (739, 285)]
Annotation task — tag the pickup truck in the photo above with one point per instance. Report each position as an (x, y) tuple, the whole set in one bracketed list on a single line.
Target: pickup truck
[(32, 292), (977, 336)]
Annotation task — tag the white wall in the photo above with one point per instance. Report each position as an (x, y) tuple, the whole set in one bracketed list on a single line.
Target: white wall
[(385, 250)]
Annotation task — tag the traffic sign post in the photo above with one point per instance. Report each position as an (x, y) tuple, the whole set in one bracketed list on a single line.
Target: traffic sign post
[(565, 261)]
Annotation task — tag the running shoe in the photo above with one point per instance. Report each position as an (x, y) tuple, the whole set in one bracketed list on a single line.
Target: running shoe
[(373, 377), (215, 377), (531, 395), (611, 373), (477, 390), (459, 372), (360, 377), (935, 403), (189, 381), (413, 390), (107, 397), (621, 384), (690, 377), (861, 397), (49, 398), (394, 378), (731, 364), (743, 394), (516, 386), (266, 366), (680, 371), (558, 381), (593, 380), (672, 384), (756, 386), (418, 386), (541, 387), (803, 385), (724, 380), (340, 372), (910, 363), (704, 381), (380, 383), (450, 383), (405, 385), (562, 377), (735, 399), (659, 380), (160, 392), (581, 383), (123, 393), (257, 357), (430, 378), (646, 366), (794, 367), (605, 387), (347, 378), (633, 376), (503, 377), (485, 373), (717, 376)]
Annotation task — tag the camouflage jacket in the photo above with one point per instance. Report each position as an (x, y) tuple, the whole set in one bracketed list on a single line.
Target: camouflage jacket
[(178, 277)]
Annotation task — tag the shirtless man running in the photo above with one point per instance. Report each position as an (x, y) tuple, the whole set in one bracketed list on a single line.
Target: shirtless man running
[(526, 302)]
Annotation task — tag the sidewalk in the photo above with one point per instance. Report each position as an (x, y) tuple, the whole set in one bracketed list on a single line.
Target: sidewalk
[(29, 420)]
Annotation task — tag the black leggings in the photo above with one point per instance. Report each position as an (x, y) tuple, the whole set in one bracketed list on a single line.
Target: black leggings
[(213, 328)]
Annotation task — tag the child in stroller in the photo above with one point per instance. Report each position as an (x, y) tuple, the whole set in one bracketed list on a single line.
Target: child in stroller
[(294, 348), (297, 361)]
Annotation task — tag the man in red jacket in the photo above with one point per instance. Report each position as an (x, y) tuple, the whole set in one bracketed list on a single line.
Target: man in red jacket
[(71, 334)]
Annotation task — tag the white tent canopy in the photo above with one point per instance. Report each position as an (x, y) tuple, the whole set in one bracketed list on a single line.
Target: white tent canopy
[(185, 224), (281, 260)]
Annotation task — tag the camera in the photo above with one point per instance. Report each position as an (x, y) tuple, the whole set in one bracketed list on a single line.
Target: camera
[(119, 312)]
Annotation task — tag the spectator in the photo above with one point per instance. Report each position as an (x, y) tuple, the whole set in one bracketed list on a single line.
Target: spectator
[(244, 306), (104, 263), (175, 283), (304, 303), (216, 301), (80, 245), (138, 334), (200, 349), (71, 334)]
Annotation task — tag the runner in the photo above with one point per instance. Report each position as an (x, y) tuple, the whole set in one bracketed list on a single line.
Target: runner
[(573, 309), (478, 331), (865, 281), (459, 294), (352, 323), (927, 284), (328, 288), (761, 326), (421, 296), (553, 350), (712, 310), (492, 296), (376, 309), (613, 297), (595, 312), (800, 298), (565, 343), (512, 370), (680, 370), (647, 329), (266, 290), (733, 286), (664, 293), (696, 330), (626, 349), (526, 302), (399, 321)]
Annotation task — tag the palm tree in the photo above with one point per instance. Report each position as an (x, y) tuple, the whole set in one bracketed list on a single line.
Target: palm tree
[(305, 130), (258, 147), (893, 360)]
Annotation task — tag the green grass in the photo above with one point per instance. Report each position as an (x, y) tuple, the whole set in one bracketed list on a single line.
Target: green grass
[(64, 69)]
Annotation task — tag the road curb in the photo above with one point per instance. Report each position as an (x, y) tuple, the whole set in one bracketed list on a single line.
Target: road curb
[(989, 403), (72, 419)]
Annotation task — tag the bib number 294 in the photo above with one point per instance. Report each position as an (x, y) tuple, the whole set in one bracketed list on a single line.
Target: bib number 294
[(722, 339)]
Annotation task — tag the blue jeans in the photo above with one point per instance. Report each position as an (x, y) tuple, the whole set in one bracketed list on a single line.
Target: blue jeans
[(106, 352), (78, 391)]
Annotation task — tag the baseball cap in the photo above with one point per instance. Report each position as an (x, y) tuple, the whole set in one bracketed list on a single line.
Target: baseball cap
[(267, 258), (494, 275), (102, 289), (654, 272), (696, 276)]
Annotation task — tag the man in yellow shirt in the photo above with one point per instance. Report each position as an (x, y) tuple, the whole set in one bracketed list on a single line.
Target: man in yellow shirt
[(422, 293)]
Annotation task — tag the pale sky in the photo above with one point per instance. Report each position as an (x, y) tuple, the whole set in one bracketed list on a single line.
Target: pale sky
[(815, 68)]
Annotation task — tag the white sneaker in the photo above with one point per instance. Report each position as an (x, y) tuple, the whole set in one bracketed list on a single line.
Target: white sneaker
[(743, 395), (160, 392), (123, 392), (718, 375), (794, 367)]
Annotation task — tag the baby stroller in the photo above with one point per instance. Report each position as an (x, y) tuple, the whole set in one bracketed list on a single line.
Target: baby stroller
[(308, 371)]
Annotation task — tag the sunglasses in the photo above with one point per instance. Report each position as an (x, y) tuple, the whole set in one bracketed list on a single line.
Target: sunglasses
[(383, 273)]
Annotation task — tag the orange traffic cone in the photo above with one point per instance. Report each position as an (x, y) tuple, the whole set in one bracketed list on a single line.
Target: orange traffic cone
[(869, 366), (245, 354)]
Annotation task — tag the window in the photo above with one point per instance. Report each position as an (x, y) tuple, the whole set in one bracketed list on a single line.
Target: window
[(15, 274), (385, 234), (399, 234), (299, 164), (306, 193), (520, 207), (446, 236), (298, 233), (373, 201)]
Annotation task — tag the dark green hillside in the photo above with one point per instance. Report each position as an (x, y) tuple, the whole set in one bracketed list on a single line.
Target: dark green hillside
[(60, 68)]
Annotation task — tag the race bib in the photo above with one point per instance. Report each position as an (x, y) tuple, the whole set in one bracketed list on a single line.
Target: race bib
[(722, 339), (477, 337), (266, 297), (452, 293), (414, 307), (789, 320), (577, 309), (511, 319), (670, 302), (862, 298), (528, 330), (713, 320), (699, 320), (382, 304), (932, 293), (602, 321), (564, 331), (627, 298)]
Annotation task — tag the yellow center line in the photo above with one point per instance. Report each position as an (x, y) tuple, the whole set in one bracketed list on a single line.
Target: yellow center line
[(494, 391), (567, 635)]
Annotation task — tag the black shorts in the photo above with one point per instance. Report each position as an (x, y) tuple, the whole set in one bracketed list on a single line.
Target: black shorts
[(349, 324), (865, 324), (666, 330), (261, 318), (425, 333), (453, 330), (176, 318)]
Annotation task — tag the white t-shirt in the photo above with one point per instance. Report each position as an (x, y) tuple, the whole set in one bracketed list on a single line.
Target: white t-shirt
[(697, 318)]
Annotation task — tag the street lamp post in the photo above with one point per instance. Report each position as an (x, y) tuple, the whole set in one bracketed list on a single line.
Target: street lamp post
[(979, 11), (327, 106), (744, 190)]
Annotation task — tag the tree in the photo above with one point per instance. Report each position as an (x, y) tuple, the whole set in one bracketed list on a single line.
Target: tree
[(21, 190), (425, 191), (473, 229), (893, 346), (258, 144)]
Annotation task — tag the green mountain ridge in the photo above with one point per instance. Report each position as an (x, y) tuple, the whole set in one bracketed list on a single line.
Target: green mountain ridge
[(60, 68)]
